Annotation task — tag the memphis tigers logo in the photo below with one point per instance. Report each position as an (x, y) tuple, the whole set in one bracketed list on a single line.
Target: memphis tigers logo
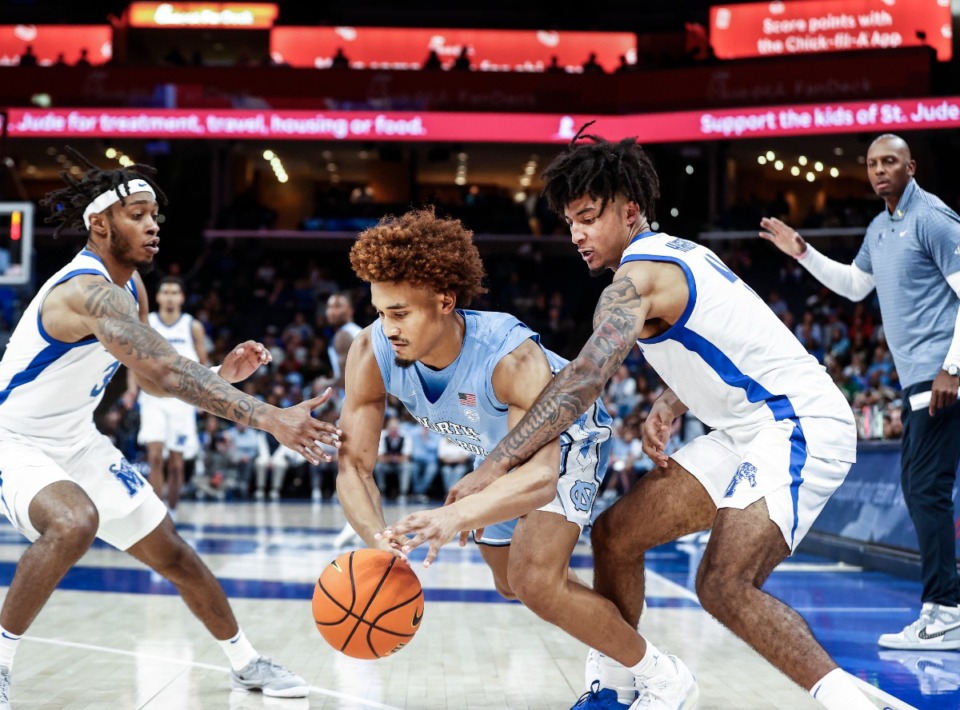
[(746, 472)]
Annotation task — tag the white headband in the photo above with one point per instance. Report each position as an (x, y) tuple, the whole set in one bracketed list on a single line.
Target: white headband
[(111, 197)]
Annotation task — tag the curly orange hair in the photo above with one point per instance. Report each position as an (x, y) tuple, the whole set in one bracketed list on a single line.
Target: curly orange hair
[(421, 249)]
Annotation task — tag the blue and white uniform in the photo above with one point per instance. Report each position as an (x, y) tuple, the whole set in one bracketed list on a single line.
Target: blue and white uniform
[(782, 429), (167, 419), (49, 390), (467, 412)]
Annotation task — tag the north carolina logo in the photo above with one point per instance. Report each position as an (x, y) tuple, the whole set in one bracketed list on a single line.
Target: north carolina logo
[(746, 472), (472, 415), (582, 495)]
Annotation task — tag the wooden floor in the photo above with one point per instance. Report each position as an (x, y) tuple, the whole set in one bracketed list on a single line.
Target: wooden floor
[(116, 636)]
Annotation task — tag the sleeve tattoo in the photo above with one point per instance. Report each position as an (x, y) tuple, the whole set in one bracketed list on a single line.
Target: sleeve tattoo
[(119, 328), (617, 322)]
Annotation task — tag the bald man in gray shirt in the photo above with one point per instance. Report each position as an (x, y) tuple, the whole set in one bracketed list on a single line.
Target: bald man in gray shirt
[(911, 255)]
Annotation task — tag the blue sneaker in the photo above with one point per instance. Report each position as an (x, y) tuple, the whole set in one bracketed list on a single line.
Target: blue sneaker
[(598, 698)]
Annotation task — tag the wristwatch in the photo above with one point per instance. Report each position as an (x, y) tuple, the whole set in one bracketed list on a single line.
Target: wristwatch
[(953, 370)]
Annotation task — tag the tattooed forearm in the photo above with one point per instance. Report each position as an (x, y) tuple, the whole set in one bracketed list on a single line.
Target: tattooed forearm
[(617, 321), (139, 347)]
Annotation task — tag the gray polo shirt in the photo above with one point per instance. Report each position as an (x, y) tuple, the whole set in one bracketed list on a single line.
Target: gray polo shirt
[(910, 253)]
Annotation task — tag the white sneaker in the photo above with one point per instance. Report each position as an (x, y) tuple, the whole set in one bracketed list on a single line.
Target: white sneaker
[(346, 536), (316, 496), (616, 678), (4, 688), (937, 628), (274, 495), (272, 679), (592, 670), (672, 688)]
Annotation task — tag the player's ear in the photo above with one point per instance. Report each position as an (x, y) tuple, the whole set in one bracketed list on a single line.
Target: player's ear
[(448, 301), (632, 212), (98, 225)]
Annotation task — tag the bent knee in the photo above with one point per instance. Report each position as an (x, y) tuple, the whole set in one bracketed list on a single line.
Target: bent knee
[(75, 526), (505, 590)]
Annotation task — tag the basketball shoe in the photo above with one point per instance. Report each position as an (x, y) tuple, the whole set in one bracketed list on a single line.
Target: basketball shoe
[(937, 628), (673, 687), (610, 675), (598, 698), (4, 688), (272, 679)]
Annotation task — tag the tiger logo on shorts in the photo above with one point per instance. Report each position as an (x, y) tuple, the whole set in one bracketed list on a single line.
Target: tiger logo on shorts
[(746, 472)]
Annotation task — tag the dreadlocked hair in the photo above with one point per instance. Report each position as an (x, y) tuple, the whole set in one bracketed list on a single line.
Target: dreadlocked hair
[(422, 249), (603, 170), (67, 204)]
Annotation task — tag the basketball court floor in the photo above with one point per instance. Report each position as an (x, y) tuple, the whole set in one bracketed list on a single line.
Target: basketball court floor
[(116, 636)]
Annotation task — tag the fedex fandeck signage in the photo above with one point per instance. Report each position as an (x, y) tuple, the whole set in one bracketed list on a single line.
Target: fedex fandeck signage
[(774, 121), (816, 26)]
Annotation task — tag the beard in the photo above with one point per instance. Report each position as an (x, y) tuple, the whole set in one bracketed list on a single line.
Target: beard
[(121, 248), (403, 364)]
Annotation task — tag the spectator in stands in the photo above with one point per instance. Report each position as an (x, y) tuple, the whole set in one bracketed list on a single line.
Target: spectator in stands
[(84, 60), (462, 62), (28, 58), (433, 61), (554, 66), (911, 255), (393, 461), (454, 462), (591, 66), (425, 460), (340, 60), (246, 447), (625, 66)]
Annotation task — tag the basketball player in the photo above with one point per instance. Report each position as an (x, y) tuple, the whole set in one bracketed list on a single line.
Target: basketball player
[(783, 435), (469, 375), (63, 483), (340, 315), (168, 425)]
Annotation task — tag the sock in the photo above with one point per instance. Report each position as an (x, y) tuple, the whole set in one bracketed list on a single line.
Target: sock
[(8, 647), (618, 677), (837, 691), (239, 651), (648, 664)]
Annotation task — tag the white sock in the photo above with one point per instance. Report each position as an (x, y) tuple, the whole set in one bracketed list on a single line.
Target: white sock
[(8, 647), (648, 664), (239, 651), (618, 677), (837, 691)]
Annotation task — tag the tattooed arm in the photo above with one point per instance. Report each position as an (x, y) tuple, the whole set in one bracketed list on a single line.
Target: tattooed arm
[(617, 323), (90, 304)]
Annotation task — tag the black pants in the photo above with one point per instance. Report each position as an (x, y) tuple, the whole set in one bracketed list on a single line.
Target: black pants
[(928, 471)]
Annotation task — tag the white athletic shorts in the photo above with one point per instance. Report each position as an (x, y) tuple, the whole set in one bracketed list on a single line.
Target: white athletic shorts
[(738, 467), (582, 473), (169, 421), (129, 509)]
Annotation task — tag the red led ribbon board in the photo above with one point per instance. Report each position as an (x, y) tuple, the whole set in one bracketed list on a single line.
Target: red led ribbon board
[(678, 126), (488, 50), (48, 41)]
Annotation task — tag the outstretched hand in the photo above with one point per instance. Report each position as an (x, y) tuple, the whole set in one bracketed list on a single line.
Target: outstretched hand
[(436, 527), (244, 360), (297, 429), (785, 238)]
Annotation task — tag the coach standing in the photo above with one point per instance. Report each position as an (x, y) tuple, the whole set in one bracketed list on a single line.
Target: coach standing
[(911, 254)]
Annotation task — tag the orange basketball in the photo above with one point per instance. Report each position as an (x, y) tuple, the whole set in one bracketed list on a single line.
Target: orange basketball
[(368, 604)]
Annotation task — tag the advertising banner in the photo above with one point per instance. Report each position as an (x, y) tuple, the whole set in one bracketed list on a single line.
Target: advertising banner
[(817, 26), (48, 42)]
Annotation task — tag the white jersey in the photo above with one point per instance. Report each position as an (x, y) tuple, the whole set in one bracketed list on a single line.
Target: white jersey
[(179, 335), (733, 363), (49, 388), (353, 330)]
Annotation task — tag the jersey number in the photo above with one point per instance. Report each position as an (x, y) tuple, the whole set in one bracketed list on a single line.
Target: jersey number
[(107, 376)]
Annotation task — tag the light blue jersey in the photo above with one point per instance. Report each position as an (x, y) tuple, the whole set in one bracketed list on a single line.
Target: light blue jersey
[(468, 413), (910, 254)]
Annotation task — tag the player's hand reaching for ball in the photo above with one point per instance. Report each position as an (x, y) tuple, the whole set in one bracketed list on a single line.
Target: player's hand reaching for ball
[(435, 527), (244, 360), (295, 428)]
